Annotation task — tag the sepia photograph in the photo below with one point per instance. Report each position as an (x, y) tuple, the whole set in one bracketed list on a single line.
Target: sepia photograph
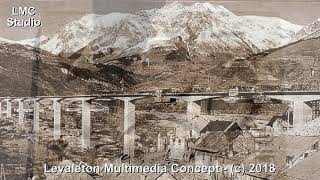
[(159, 90)]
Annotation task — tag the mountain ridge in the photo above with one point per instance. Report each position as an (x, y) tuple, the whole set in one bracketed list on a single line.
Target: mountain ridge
[(309, 31), (205, 27)]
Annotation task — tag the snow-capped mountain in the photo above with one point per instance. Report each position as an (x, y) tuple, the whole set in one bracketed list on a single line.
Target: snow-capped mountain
[(4, 40), (309, 31), (206, 28), (33, 42)]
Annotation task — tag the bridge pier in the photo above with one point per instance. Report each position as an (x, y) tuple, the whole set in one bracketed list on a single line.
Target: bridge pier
[(85, 124), (129, 127), (193, 111), (56, 119), (1, 107), (302, 113), (129, 120), (9, 108), (36, 115), (20, 111)]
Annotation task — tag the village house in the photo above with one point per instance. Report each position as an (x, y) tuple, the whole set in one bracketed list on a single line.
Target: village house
[(308, 169), (216, 142), (284, 152), (225, 126), (273, 125), (213, 147), (175, 143), (177, 147)]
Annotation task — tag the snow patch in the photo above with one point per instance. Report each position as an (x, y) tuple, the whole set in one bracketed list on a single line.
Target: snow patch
[(308, 31), (208, 25), (33, 42)]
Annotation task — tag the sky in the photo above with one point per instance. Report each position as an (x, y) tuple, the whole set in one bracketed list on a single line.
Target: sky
[(55, 14)]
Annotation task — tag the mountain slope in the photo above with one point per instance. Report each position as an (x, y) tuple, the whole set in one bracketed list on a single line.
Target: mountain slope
[(4, 40), (33, 42), (294, 67), (297, 65), (309, 31), (207, 29), (26, 72)]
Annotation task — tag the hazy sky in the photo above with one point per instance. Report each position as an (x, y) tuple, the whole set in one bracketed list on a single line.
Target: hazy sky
[(56, 13)]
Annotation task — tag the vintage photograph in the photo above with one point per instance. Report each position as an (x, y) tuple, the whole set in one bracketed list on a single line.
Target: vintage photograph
[(159, 90)]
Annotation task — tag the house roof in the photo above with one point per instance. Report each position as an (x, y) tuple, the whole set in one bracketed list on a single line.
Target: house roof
[(307, 169), (278, 149), (220, 126), (166, 176), (293, 145), (216, 141)]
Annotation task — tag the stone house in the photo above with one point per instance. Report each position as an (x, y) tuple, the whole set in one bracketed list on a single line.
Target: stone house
[(213, 147), (284, 152)]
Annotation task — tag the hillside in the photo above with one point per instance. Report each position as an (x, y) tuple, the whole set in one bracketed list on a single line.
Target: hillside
[(309, 31), (24, 71), (198, 47), (295, 66)]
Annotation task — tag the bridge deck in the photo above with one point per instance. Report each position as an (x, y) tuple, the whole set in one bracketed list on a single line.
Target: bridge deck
[(115, 95)]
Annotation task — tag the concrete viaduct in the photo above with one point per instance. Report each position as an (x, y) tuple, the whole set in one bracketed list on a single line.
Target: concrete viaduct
[(301, 104)]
